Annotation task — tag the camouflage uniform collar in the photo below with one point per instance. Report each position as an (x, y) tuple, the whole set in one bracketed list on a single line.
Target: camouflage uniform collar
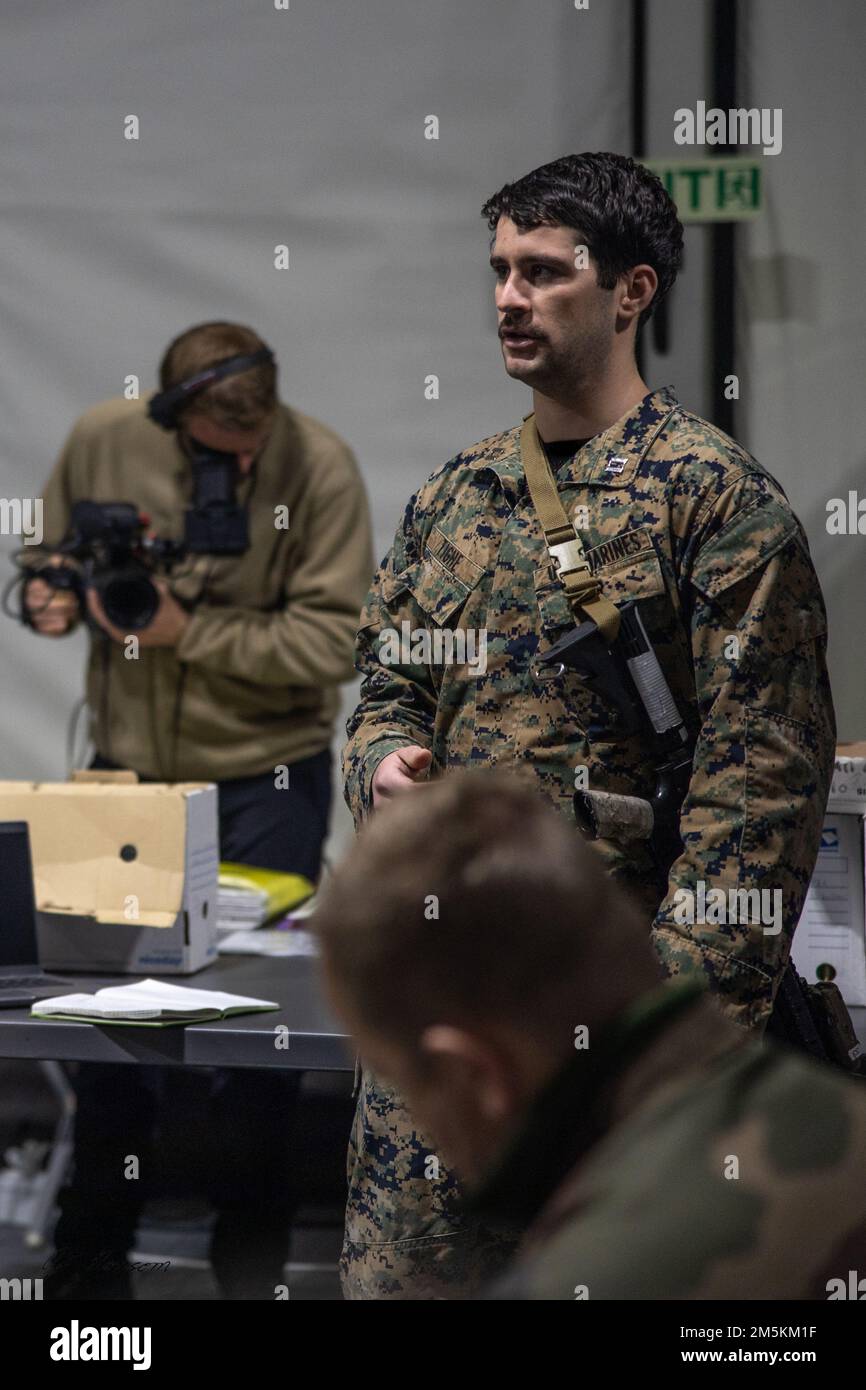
[(609, 459), (613, 457), (569, 1114)]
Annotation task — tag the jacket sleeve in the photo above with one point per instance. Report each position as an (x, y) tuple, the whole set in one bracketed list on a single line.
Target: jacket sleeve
[(763, 761), (57, 498), (397, 702), (308, 641)]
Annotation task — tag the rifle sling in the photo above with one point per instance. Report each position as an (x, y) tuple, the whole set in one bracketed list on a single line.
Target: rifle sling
[(564, 544)]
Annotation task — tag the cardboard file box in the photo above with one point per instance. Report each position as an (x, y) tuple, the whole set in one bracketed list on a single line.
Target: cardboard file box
[(832, 928), (125, 872)]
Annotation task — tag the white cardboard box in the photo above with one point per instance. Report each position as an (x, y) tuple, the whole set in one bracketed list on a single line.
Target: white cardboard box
[(125, 873), (832, 928)]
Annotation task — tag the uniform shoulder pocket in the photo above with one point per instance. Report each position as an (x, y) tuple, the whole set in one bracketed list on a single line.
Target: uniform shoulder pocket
[(751, 537), (780, 596)]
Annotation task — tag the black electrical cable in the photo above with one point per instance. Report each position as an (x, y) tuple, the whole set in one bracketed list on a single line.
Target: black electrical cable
[(14, 613), (104, 691), (25, 573)]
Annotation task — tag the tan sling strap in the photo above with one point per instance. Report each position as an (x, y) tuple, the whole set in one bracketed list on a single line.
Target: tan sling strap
[(565, 546)]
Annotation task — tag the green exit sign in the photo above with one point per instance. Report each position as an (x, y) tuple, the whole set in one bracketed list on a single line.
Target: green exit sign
[(712, 190)]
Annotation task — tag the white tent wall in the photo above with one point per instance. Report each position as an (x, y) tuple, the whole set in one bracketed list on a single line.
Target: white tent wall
[(800, 299), (260, 127), (306, 127)]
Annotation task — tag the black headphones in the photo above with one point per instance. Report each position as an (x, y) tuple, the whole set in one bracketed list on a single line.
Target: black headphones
[(165, 406)]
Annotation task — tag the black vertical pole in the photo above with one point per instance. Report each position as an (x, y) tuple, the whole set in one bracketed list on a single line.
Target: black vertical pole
[(723, 234), (638, 109), (638, 78)]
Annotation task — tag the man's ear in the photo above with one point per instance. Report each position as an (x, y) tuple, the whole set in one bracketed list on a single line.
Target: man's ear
[(468, 1062), (637, 288)]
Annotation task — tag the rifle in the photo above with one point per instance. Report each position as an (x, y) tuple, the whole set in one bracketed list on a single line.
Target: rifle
[(626, 672)]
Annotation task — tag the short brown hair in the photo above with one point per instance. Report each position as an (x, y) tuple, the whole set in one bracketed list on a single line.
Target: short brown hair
[(529, 928), (241, 402)]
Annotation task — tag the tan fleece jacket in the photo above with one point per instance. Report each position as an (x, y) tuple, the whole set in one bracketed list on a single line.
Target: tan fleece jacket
[(253, 682)]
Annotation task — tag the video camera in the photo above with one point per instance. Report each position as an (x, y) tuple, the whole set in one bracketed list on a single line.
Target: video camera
[(110, 550), (111, 553), (107, 542)]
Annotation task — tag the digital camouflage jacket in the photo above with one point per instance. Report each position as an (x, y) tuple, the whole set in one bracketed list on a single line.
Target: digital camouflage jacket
[(675, 514)]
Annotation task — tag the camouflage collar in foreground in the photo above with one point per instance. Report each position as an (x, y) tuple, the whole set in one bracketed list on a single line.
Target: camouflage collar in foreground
[(610, 459), (567, 1116)]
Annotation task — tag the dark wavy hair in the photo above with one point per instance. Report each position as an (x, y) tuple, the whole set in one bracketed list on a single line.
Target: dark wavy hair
[(621, 210)]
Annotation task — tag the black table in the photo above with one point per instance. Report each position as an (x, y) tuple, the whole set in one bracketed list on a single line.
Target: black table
[(316, 1041)]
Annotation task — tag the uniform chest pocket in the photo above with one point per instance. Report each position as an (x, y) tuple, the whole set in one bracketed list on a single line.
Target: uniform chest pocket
[(439, 594), (637, 579)]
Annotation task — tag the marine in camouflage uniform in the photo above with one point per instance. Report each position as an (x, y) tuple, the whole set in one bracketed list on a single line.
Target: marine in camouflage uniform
[(675, 514), (730, 1171)]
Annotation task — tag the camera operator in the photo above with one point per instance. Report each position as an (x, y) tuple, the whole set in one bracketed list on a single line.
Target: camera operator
[(230, 675)]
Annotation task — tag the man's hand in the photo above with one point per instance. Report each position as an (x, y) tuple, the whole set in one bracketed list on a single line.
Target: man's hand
[(399, 772), (52, 611), (165, 630)]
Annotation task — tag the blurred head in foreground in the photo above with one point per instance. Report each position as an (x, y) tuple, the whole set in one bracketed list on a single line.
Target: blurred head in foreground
[(466, 937)]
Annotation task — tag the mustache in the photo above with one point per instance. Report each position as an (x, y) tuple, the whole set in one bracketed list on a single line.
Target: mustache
[(517, 332)]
